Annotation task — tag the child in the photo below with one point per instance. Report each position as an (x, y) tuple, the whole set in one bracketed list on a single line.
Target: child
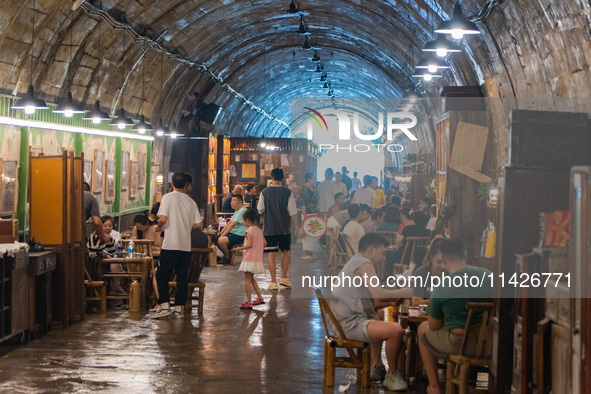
[(252, 261)]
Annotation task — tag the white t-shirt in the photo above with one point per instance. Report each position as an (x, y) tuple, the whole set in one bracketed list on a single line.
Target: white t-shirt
[(365, 195), (181, 212), (326, 192), (354, 231)]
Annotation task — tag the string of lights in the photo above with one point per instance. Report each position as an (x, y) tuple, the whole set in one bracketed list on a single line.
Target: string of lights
[(115, 24)]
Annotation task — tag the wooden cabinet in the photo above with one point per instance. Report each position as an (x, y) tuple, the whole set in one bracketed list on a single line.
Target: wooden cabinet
[(17, 296)]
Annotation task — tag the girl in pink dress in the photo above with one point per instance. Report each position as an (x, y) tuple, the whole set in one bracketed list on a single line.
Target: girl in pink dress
[(252, 260)]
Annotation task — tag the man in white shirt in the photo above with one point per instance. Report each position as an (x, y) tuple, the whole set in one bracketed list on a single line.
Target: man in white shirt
[(326, 192), (178, 216), (365, 195), (353, 230)]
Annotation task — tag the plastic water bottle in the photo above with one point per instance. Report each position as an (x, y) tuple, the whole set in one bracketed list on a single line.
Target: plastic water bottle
[(130, 248)]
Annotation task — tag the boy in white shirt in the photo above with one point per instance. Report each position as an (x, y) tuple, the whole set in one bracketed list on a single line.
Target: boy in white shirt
[(178, 216)]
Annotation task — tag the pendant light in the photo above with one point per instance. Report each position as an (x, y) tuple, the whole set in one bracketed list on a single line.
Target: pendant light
[(442, 46), (67, 107), (326, 85), (432, 64), (306, 45), (319, 68), (122, 121), (142, 126), (303, 29), (457, 26), (293, 9), (160, 130), (96, 115), (323, 77), (30, 103), (411, 96), (315, 58), (425, 74)]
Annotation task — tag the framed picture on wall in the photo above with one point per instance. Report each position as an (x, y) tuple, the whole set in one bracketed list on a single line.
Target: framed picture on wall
[(142, 170), (124, 171), (99, 168), (133, 180), (88, 172), (8, 191), (248, 171), (110, 181)]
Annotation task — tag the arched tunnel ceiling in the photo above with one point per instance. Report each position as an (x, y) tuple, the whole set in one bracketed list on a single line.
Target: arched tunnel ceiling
[(254, 47)]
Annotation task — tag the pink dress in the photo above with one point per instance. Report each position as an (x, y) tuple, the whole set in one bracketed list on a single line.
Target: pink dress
[(252, 260)]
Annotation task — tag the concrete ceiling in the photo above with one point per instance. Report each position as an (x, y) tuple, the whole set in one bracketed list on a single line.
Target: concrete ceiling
[(254, 47)]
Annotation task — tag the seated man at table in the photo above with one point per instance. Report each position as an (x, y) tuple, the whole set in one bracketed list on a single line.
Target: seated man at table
[(354, 307), (227, 204), (441, 335), (422, 294), (233, 233)]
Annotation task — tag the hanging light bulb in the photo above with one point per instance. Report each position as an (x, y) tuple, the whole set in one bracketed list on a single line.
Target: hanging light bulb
[(293, 9), (68, 108), (323, 77), (142, 126), (432, 64), (30, 103), (96, 115), (306, 45), (442, 46), (319, 68), (326, 85), (426, 75), (457, 26), (159, 129), (121, 121), (303, 29), (315, 58)]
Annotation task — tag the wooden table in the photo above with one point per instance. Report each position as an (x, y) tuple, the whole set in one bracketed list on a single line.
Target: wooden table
[(413, 365), (213, 261), (137, 268)]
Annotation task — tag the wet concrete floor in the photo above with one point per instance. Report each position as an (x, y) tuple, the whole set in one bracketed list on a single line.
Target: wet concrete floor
[(276, 348)]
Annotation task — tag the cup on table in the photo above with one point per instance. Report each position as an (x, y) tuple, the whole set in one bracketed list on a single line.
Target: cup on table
[(423, 309)]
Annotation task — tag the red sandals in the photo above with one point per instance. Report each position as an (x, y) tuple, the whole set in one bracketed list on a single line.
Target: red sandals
[(258, 301), (246, 305)]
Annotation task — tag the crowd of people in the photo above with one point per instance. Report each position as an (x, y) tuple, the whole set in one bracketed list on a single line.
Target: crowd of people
[(357, 209)]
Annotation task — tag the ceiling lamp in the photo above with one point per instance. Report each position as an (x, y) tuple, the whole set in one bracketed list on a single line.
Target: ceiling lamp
[(293, 9), (96, 115), (330, 93), (442, 46), (67, 107), (121, 121), (319, 68), (432, 64), (425, 74), (303, 29), (326, 85), (411, 96), (315, 58), (142, 126), (323, 77), (306, 45), (160, 129), (457, 26), (30, 103)]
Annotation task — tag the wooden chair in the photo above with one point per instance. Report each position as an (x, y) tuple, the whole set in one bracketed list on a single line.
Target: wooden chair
[(481, 360), (339, 256), (198, 260), (389, 235), (99, 289), (359, 352), (410, 244)]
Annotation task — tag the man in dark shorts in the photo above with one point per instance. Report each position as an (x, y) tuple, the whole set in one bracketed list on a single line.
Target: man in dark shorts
[(278, 207)]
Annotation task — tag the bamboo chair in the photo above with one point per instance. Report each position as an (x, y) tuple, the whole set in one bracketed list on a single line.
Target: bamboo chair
[(99, 290), (339, 256), (198, 259), (140, 245), (410, 244), (389, 235), (359, 353), (481, 360)]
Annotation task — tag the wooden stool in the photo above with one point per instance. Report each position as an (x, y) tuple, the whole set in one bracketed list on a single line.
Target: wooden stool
[(99, 288), (189, 305)]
